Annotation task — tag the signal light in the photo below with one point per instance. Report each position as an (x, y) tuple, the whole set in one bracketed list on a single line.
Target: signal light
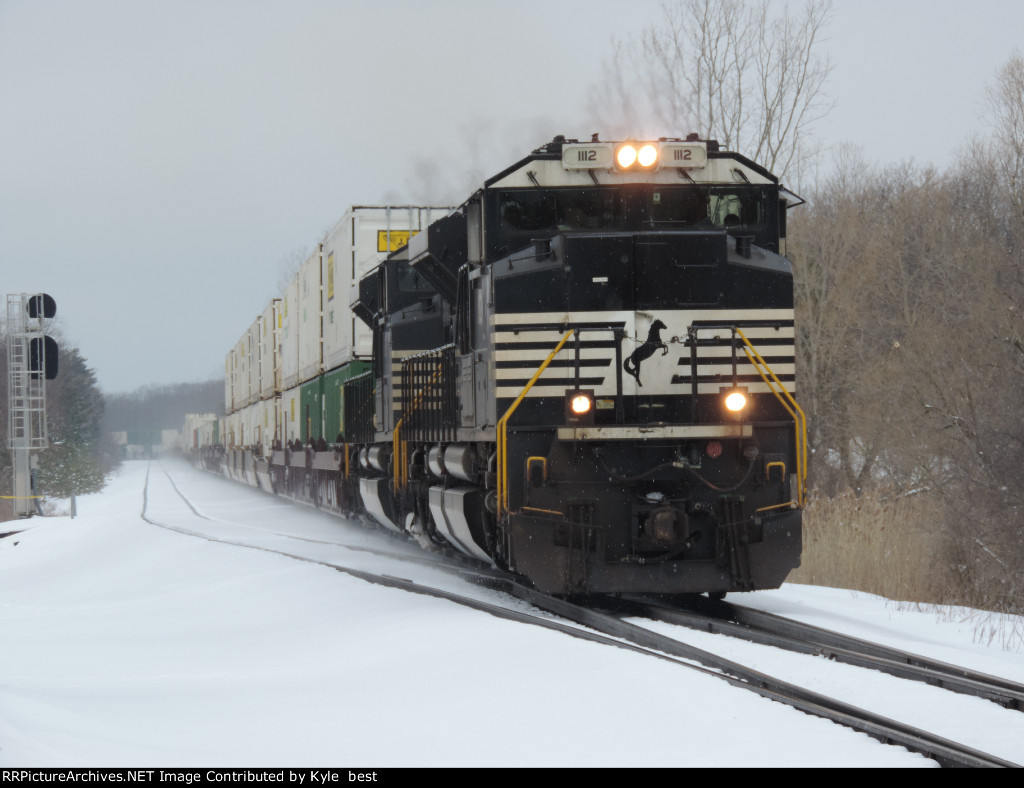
[(41, 305), (42, 357), (42, 349)]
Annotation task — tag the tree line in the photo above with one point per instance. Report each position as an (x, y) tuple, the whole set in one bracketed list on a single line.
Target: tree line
[(162, 407), (910, 312)]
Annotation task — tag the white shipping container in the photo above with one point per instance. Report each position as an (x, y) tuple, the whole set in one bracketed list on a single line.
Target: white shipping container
[(270, 379), (229, 400), (253, 349), (231, 431), (363, 237), (198, 431), (239, 422), (266, 424), (288, 336), (309, 317), (241, 375), (251, 432)]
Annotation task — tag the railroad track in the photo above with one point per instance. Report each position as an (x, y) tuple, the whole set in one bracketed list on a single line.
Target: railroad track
[(613, 630), (946, 752), (756, 626)]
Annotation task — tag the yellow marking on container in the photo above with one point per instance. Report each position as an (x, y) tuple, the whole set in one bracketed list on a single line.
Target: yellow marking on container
[(392, 240)]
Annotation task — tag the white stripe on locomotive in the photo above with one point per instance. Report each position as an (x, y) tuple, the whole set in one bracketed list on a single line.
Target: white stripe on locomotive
[(664, 373)]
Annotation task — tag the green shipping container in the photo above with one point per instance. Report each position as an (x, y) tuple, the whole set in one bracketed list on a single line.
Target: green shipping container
[(334, 405), (310, 415), (321, 405)]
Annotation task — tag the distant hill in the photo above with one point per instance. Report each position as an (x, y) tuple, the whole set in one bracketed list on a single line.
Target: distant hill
[(162, 407)]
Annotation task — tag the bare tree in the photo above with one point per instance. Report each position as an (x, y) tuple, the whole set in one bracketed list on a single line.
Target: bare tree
[(617, 109), (911, 357), (1004, 111), (728, 69)]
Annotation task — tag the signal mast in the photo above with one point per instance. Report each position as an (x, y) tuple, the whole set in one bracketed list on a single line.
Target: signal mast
[(31, 361)]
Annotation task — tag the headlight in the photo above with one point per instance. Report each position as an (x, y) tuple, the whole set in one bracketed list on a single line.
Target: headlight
[(647, 156), (637, 155), (625, 157)]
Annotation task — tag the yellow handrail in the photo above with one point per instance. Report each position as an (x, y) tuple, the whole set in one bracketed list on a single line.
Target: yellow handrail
[(799, 419), (503, 426), (396, 457)]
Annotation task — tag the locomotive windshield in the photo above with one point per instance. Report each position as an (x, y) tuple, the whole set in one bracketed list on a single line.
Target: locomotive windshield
[(551, 210), (409, 279), (529, 214)]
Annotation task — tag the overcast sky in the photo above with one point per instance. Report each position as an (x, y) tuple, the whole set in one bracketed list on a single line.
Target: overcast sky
[(160, 160)]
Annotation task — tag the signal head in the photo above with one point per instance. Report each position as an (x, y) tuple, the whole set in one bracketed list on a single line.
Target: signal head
[(41, 305)]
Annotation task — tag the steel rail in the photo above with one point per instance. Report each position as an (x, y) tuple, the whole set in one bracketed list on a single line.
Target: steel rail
[(770, 629), (946, 752)]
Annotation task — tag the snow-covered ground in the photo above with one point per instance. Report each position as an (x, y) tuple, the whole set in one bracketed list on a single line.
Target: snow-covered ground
[(126, 644)]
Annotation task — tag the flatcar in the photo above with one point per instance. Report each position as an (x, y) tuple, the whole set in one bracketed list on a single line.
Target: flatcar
[(584, 374)]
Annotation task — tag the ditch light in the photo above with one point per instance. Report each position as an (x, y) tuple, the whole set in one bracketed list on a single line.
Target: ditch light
[(579, 407)]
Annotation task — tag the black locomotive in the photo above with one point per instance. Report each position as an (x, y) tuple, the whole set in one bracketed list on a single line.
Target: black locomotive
[(584, 375)]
